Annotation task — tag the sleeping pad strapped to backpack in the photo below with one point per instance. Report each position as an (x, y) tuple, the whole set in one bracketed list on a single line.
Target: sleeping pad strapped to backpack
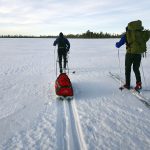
[(63, 85)]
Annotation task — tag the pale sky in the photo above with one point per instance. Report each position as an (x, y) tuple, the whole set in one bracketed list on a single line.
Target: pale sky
[(49, 17)]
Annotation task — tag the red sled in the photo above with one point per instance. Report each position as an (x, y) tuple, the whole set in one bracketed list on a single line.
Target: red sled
[(63, 86)]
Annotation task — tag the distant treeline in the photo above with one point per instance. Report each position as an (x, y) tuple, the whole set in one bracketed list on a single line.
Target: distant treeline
[(85, 35), (95, 35), (26, 36)]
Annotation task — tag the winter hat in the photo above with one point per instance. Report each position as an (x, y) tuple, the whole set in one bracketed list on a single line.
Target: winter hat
[(61, 34)]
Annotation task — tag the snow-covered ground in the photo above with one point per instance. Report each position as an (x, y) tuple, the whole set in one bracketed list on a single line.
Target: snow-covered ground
[(99, 117)]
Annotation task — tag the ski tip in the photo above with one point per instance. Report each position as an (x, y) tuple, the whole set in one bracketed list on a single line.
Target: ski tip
[(121, 88), (60, 98), (69, 98)]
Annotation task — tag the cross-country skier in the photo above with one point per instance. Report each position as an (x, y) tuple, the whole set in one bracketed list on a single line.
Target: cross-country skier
[(63, 49), (135, 39)]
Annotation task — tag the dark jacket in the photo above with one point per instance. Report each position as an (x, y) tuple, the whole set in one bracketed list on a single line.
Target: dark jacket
[(57, 41)]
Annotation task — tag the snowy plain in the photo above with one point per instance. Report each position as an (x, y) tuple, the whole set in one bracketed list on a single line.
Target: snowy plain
[(99, 117)]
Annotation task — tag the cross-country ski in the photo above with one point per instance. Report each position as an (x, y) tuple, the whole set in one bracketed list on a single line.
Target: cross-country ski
[(136, 93)]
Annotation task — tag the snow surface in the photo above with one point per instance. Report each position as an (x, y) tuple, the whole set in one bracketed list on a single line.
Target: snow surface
[(99, 117)]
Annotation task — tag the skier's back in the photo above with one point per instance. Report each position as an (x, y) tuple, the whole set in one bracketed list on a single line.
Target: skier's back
[(63, 49)]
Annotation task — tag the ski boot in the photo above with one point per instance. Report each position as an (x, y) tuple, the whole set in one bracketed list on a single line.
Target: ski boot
[(126, 86), (138, 86)]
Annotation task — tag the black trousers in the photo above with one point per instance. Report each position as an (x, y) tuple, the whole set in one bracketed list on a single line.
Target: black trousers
[(62, 54), (134, 59)]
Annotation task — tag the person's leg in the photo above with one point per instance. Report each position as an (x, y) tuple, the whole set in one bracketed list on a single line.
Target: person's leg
[(60, 60), (128, 63), (65, 59), (136, 66)]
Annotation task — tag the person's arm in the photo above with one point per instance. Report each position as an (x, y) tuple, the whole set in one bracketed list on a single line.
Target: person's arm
[(55, 42), (121, 42), (68, 44), (149, 33)]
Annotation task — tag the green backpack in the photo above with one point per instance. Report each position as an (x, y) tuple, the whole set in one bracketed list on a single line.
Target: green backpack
[(136, 37)]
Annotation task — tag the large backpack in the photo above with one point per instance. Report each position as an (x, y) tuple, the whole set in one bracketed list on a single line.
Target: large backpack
[(136, 37)]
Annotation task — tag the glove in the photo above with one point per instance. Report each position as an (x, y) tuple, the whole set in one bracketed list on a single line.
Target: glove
[(67, 50), (117, 45)]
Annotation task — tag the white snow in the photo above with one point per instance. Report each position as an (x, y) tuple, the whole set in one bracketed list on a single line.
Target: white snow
[(99, 117)]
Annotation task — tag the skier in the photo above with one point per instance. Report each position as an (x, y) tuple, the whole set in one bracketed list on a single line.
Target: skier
[(135, 39), (63, 49)]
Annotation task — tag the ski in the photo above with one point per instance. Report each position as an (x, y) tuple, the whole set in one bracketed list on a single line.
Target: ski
[(68, 98), (131, 88), (138, 94)]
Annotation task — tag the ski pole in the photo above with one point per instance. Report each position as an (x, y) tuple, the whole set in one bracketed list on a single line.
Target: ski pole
[(143, 75), (55, 62), (67, 63), (54, 56), (56, 66), (119, 67)]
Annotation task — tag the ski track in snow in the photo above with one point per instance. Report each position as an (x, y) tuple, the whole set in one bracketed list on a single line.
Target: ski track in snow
[(70, 135)]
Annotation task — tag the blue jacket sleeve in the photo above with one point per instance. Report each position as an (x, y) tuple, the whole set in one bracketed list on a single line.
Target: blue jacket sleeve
[(121, 42)]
